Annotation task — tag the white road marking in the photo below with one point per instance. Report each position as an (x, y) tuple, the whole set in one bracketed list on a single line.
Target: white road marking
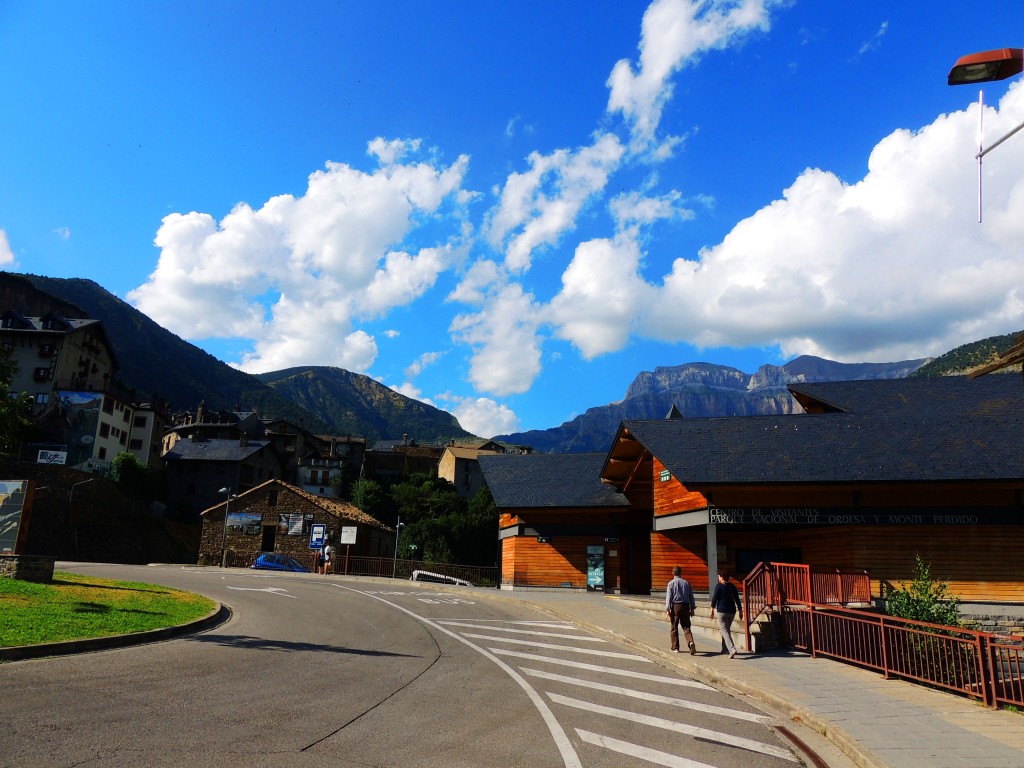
[(552, 646), (582, 638), (569, 757), (671, 725), (604, 670), (710, 709), (272, 590), (635, 750), (548, 624)]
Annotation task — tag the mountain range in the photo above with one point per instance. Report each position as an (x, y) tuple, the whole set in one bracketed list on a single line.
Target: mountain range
[(335, 401)]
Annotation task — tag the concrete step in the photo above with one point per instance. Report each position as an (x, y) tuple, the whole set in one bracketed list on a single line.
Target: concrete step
[(704, 628)]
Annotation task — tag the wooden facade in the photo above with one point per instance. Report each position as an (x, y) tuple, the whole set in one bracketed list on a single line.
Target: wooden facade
[(560, 527), (947, 489)]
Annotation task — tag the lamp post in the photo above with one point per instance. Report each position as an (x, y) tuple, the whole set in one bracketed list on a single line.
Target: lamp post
[(986, 67), (71, 512), (398, 531), (224, 533)]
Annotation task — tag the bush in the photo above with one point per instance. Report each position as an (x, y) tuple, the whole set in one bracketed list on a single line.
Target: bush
[(924, 599)]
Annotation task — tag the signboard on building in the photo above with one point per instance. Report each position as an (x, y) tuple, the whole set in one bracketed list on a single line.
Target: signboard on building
[(52, 457), (13, 519), (317, 535), (348, 534)]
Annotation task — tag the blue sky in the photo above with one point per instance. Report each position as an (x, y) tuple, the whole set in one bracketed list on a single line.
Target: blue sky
[(509, 210)]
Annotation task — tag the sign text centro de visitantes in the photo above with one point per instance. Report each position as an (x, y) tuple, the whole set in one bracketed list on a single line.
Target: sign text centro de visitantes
[(854, 516)]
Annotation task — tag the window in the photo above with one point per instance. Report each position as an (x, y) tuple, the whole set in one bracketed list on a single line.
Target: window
[(42, 398), (135, 445), (102, 453), (140, 422), (272, 499), (104, 430), (108, 405)]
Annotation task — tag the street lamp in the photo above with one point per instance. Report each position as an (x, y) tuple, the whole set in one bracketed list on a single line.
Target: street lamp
[(224, 534), (986, 67), (398, 530)]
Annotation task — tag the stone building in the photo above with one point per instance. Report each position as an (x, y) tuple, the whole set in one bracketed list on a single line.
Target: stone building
[(278, 517)]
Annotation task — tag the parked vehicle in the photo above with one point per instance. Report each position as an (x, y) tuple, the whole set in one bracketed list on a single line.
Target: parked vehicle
[(269, 561)]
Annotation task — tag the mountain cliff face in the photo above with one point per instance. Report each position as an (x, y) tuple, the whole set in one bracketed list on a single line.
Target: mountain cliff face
[(702, 390)]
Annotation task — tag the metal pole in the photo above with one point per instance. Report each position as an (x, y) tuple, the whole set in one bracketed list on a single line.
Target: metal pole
[(71, 512), (398, 530), (224, 533)]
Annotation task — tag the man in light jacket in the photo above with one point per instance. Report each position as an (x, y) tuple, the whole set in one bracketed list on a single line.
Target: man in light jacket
[(680, 605)]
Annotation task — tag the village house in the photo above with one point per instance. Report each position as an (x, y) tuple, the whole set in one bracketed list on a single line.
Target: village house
[(559, 526), (278, 517)]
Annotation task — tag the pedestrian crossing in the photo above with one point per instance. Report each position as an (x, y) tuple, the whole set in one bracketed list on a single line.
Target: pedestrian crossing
[(620, 707)]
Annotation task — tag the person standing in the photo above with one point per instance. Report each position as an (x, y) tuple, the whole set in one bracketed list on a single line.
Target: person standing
[(327, 556), (726, 600), (680, 605)]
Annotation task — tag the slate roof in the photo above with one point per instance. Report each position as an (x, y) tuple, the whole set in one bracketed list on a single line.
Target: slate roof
[(341, 509), (903, 430), (548, 480), (213, 450)]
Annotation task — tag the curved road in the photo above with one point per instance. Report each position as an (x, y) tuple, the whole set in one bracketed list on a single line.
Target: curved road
[(314, 671)]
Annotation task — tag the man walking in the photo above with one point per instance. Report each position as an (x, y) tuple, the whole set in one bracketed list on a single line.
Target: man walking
[(726, 600), (680, 605)]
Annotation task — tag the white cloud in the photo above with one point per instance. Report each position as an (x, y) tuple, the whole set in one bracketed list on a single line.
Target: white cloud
[(633, 208), (6, 254), (675, 33), (296, 275), (410, 390), (421, 362), (602, 293), (540, 205), (484, 417), (875, 41), (504, 341), (64, 233), (891, 267)]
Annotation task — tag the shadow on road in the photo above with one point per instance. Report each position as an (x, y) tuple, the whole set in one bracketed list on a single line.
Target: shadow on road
[(263, 644)]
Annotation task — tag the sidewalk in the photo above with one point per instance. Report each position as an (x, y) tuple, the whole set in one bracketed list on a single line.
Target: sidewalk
[(876, 723)]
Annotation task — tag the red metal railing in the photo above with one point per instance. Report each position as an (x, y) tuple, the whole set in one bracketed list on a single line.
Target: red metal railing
[(981, 665), (769, 586)]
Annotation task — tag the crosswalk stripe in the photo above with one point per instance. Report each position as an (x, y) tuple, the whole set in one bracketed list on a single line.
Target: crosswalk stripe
[(671, 725), (604, 670), (553, 646), (583, 638), (547, 623), (655, 756), (710, 709)]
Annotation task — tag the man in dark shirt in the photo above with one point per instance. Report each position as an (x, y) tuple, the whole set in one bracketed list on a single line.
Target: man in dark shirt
[(680, 605)]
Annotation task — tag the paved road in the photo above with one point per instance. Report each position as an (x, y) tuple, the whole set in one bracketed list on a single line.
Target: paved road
[(314, 671)]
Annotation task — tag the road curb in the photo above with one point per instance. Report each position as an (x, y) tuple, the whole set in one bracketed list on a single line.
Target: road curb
[(220, 614)]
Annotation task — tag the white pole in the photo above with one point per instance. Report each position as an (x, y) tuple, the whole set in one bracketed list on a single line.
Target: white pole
[(981, 144)]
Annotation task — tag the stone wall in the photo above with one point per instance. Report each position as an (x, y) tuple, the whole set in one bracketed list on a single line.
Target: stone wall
[(36, 568), (271, 503)]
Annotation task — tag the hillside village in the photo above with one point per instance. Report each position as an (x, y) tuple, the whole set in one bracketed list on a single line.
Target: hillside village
[(857, 475)]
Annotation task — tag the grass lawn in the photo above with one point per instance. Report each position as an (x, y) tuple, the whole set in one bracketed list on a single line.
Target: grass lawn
[(75, 607)]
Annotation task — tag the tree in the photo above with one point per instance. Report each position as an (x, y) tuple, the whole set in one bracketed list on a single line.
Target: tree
[(442, 526), (369, 496), (924, 599), (136, 479), (15, 411)]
